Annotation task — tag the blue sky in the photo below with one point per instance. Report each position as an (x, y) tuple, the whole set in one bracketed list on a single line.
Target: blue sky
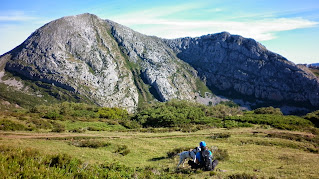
[(287, 27)]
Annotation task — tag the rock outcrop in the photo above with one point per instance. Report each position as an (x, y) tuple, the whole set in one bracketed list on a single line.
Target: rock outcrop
[(237, 65)]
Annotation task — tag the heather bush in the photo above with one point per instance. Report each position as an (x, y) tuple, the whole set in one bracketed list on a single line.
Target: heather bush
[(268, 110), (9, 125)]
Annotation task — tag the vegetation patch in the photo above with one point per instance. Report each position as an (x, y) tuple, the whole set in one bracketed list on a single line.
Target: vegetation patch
[(289, 144), (9, 125), (296, 137), (172, 153), (221, 154), (242, 176), (220, 136), (122, 149), (276, 121), (90, 143), (268, 110), (180, 113), (313, 117), (58, 127)]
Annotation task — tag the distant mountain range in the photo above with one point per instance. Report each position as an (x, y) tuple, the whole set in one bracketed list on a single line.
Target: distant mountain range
[(99, 61), (314, 64)]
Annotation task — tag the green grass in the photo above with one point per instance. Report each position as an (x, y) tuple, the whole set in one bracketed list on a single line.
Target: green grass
[(99, 126), (74, 139), (247, 152)]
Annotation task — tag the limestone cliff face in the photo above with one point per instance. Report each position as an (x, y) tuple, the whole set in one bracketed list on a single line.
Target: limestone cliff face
[(159, 67), (78, 54), (231, 63), (104, 61)]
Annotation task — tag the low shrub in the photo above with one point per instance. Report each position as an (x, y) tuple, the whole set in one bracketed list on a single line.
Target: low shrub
[(313, 117), (296, 137), (229, 124), (90, 143), (242, 176), (276, 121), (113, 113), (57, 127), (93, 128), (129, 124), (9, 125), (78, 130), (53, 115), (268, 110), (220, 136), (62, 161), (40, 123), (220, 154), (122, 149), (172, 153), (29, 163)]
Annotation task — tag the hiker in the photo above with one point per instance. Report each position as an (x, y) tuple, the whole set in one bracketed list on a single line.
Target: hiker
[(203, 159)]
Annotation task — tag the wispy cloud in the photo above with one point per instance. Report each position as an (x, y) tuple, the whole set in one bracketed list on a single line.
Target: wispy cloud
[(15, 16), (156, 22)]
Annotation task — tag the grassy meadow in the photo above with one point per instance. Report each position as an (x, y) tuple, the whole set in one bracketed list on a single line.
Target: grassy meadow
[(71, 140)]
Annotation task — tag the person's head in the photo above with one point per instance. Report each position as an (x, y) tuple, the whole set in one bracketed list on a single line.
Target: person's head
[(202, 145)]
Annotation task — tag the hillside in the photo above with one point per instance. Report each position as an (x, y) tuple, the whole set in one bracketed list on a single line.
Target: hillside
[(86, 59)]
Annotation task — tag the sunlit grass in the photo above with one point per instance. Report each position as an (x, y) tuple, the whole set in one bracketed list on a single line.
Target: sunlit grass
[(150, 150)]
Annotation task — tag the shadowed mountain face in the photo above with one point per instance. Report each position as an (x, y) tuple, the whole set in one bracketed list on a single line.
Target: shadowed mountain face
[(112, 65), (239, 66)]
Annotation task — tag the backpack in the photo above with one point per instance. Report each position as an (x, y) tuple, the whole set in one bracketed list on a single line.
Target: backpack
[(206, 161)]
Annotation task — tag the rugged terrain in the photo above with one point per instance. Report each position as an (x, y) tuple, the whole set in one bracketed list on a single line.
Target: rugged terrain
[(111, 65)]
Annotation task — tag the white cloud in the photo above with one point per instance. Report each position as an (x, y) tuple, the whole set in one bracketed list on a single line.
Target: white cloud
[(156, 22)]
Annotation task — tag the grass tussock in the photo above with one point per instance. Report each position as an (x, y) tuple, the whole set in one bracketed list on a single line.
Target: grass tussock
[(91, 143), (122, 149)]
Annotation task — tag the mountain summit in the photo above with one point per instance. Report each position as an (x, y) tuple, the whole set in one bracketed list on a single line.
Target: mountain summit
[(111, 65)]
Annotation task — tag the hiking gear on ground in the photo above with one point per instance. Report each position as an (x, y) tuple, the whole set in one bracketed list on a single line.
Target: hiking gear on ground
[(206, 160)]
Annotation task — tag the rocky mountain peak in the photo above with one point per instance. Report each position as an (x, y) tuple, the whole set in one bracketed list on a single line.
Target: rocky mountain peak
[(115, 66)]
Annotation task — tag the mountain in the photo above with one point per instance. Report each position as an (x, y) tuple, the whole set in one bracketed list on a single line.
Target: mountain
[(243, 68), (109, 64), (85, 58)]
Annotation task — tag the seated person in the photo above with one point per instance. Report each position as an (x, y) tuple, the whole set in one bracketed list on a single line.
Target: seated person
[(203, 159)]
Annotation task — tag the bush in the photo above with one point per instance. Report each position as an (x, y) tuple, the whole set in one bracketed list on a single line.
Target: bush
[(172, 153), (78, 130), (40, 123), (268, 110), (122, 149), (176, 113), (28, 163), (113, 113), (57, 127), (220, 136), (129, 124), (53, 115), (276, 121), (313, 117), (221, 154), (9, 125), (90, 143), (222, 111), (93, 128), (241, 176)]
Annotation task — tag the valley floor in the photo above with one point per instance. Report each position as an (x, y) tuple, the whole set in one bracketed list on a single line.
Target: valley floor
[(251, 151)]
